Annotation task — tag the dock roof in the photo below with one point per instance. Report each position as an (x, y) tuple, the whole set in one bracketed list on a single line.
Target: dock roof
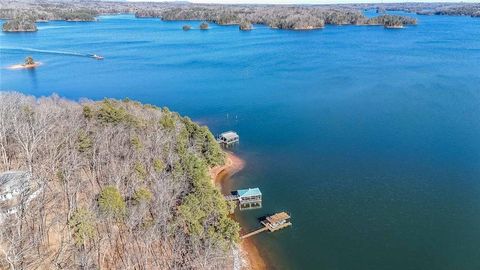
[(250, 192), (229, 135), (278, 217)]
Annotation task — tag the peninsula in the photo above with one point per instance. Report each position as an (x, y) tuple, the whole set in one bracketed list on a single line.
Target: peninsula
[(124, 184), (19, 25)]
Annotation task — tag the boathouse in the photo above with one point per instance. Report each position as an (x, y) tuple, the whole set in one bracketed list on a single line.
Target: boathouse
[(228, 138), (250, 198)]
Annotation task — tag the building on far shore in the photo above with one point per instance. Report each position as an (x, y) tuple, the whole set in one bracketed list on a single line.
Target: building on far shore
[(16, 189)]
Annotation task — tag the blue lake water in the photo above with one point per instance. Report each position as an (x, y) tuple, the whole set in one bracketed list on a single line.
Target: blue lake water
[(369, 137)]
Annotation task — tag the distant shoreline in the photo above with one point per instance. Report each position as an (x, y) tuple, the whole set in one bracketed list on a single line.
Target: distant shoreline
[(219, 175)]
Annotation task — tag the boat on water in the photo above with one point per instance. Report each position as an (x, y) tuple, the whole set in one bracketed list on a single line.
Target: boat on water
[(98, 57)]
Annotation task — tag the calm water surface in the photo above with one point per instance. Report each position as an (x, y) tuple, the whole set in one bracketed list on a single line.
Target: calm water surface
[(369, 137)]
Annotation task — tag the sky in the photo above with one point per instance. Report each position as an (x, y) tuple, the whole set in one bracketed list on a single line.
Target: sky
[(307, 1)]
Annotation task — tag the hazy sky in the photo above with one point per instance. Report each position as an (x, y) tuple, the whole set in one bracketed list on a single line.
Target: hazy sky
[(308, 1)]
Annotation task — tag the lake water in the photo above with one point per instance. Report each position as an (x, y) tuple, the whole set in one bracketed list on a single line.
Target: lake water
[(369, 137)]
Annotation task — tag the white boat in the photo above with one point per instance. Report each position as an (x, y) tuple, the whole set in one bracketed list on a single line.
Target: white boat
[(98, 57)]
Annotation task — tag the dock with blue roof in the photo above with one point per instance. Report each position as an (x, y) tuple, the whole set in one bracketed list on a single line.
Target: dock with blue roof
[(250, 198)]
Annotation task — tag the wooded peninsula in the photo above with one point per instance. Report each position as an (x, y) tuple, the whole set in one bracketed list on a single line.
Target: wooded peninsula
[(22, 15), (109, 185)]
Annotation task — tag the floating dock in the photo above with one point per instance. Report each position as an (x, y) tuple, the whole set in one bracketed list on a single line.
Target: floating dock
[(272, 223)]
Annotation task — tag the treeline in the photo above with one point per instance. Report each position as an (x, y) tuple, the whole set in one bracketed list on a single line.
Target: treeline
[(53, 14), (123, 186), (276, 16), (281, 17), (454, 9), (392, 20)]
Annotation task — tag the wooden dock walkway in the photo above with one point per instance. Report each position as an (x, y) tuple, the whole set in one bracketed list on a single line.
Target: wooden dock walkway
[(272, 223), (254, 232)]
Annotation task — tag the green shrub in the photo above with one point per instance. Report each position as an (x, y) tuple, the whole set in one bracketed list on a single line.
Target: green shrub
[(84, 142), (82, 223), (158, 165), (109, 113), (142, 195), (136, 143), (140, 170), (167, 121), (87, 112), (111, 202)]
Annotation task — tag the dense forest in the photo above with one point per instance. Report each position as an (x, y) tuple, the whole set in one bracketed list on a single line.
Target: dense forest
[(119, 185), (276, 16)]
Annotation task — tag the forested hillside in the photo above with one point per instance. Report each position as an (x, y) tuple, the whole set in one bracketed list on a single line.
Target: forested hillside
[(121, 185)]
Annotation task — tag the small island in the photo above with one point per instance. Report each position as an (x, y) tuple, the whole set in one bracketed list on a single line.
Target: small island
[(19, 25), (204, 26), (29, 63)]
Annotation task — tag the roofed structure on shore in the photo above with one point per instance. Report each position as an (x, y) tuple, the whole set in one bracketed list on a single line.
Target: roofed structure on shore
[(249, 192), (250, 198), (277, 221), (228, 138), (278, 217)]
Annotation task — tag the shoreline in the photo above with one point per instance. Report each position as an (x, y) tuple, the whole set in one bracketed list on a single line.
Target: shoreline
[(219, 174), (23, 66)]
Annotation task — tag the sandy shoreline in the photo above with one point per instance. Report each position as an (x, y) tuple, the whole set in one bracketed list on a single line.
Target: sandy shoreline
[(219, 174), (23, 66)]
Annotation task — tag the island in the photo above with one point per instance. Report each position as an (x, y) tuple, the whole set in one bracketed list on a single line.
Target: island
[(19, 25), (29, 63), (392, 21), (124, 184)]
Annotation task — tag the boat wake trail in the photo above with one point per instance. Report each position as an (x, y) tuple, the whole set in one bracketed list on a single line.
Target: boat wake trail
[(45, 51)]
